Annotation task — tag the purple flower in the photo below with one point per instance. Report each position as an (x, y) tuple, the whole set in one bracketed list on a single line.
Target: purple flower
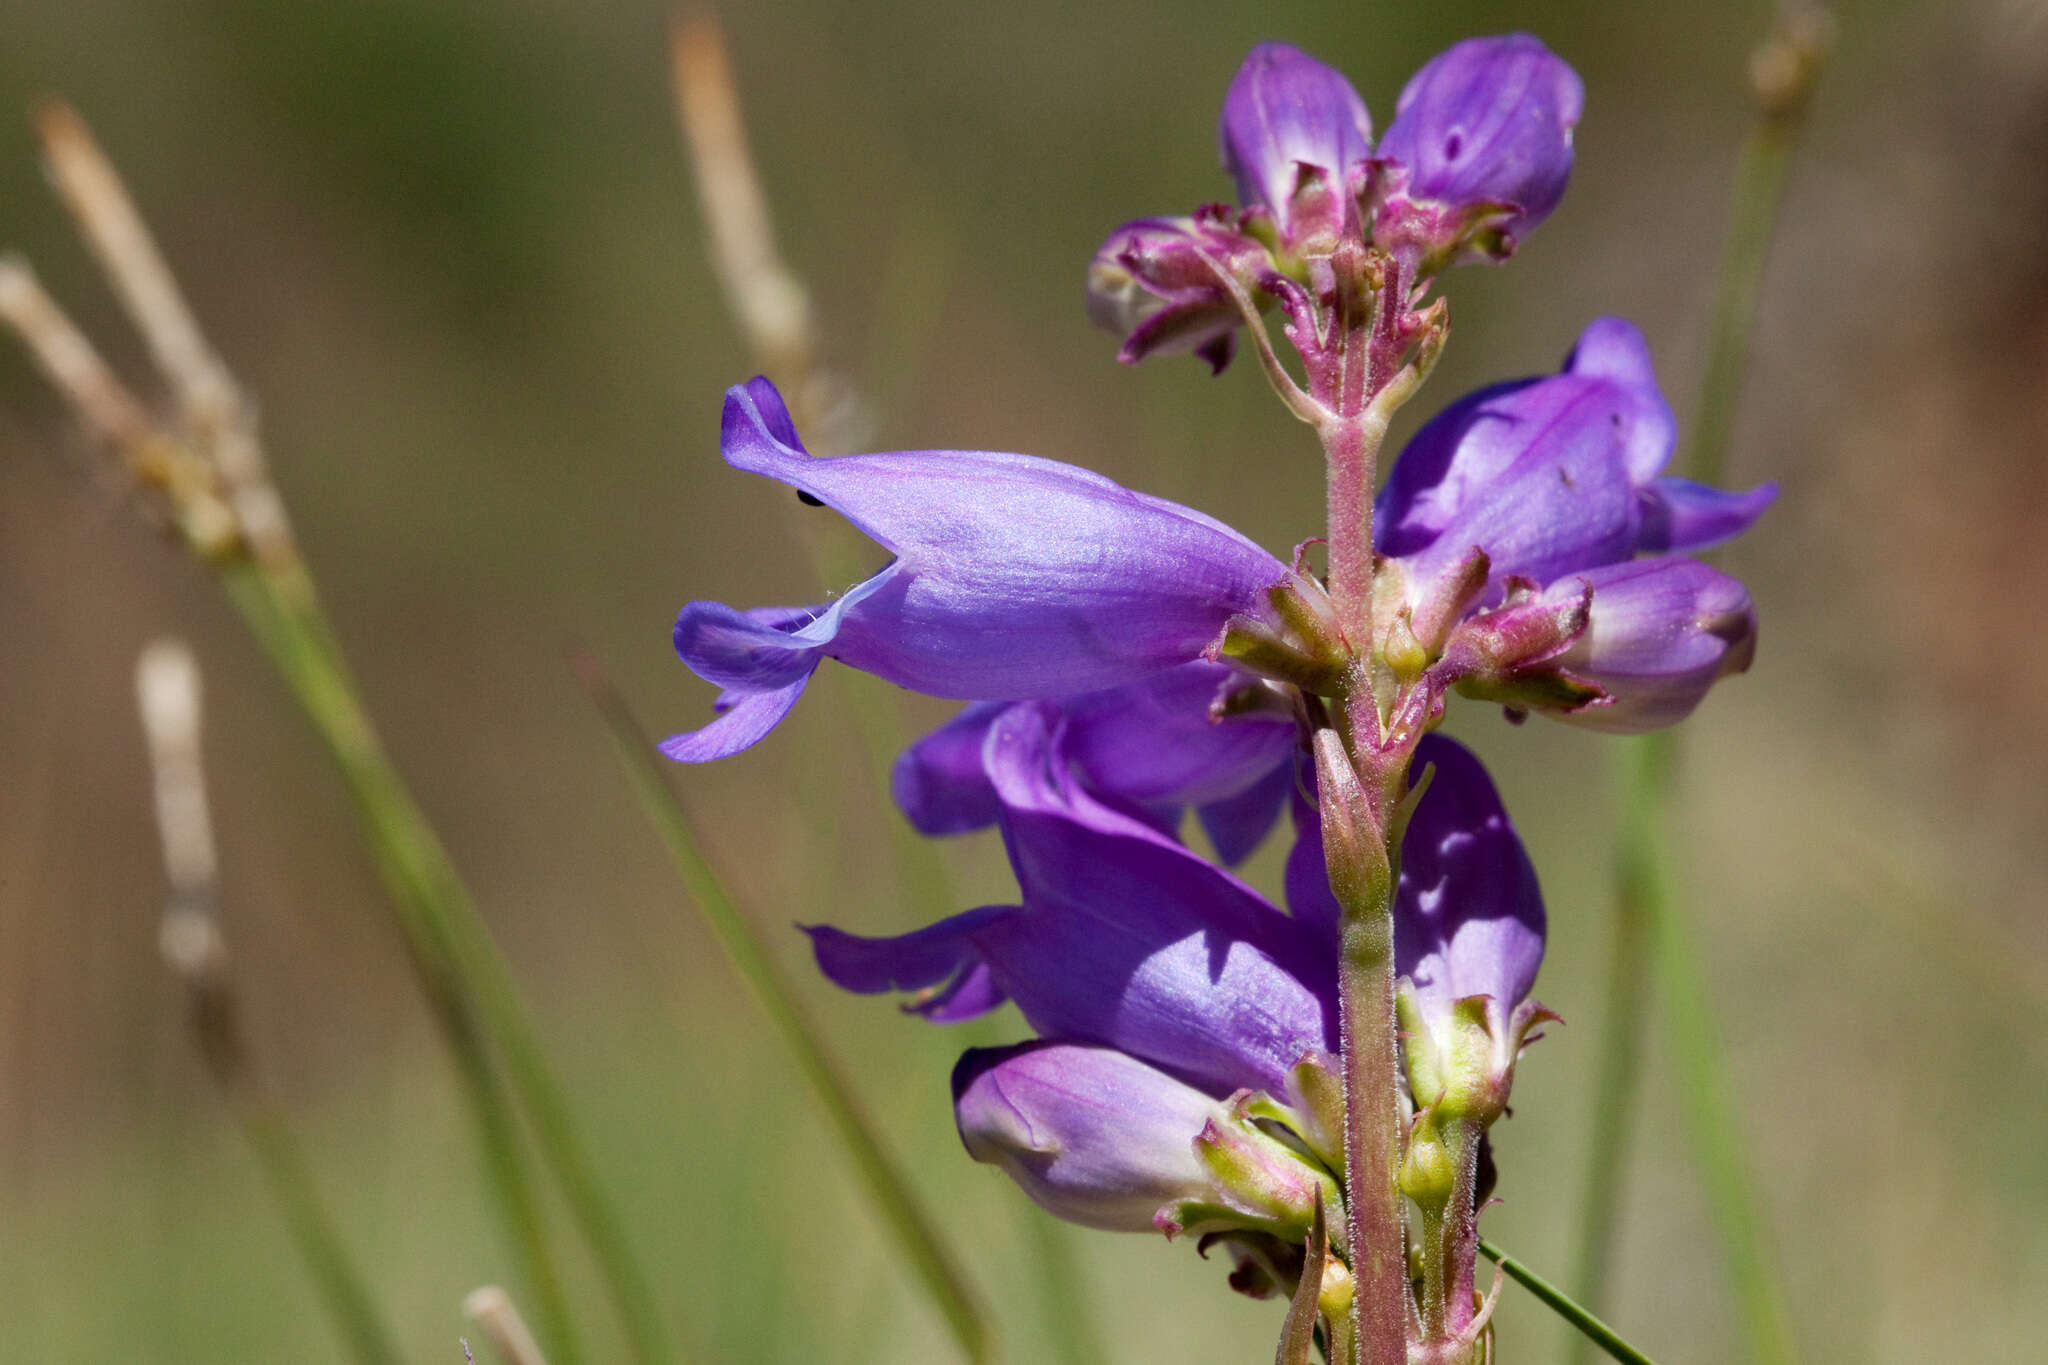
[(1101, 1139), (1091, 1135), (1156, 746), (1623, 648), (1660, 633), (1013, 577), (1553, 475), (1125, 938), (1295, 136), (1480, 148), (1127, 941)]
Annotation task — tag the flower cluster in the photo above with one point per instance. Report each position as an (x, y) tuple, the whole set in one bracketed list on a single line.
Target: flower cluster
[(1203, 1058)]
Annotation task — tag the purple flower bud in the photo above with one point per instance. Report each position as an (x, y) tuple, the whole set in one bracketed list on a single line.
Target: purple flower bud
[(1091, 1135), (1660, 633), (1553, 475), (1014, 577), (1480, 148), (1295, 136), (1154, 284)]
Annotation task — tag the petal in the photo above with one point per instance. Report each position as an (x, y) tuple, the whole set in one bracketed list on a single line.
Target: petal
[(743, 718), (1540, 473), (1286, 111), (1237, 825), (1016, 577), (1489, 120), (1678, 514), (1155, 742), (768, 647), (1469, 918), (938, 781), (1091, 1135), (908, 962), (1131, 940)]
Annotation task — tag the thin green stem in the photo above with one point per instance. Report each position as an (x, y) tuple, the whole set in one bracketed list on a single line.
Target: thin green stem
[(1752, 220), (465, 976), (936, 1266), (283, 1161), (1648, 915), (1639, 872), (1718, 1140), (1559, 1302)]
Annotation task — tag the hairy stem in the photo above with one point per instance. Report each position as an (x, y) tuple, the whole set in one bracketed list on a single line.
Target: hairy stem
[(1372, 1126)]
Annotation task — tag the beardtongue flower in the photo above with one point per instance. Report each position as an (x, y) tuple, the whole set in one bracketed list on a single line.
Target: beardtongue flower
[(1201, 734), (1651, 637), (1128, 944), (1479, 151), (1467, 960), (1550, 476), (1124, 937), (1101, 1139), (1295, 137), (1013, 577)]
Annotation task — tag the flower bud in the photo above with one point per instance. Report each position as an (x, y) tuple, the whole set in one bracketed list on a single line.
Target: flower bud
[(1660, 632), (1479, 150), (1091, 1135), (1260, 1182), (1295, 136), (1153, 283)]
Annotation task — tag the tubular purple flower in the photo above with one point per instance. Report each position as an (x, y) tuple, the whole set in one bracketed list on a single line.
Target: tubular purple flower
[(1125, 938), (1553, 475), (1155, 744), (1288, 118), (1661, 632), (1091, 1135), (1469, 917), (1013, 577), (1480, 148)]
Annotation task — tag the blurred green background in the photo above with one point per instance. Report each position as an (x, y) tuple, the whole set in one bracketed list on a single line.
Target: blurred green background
[(454, 250)]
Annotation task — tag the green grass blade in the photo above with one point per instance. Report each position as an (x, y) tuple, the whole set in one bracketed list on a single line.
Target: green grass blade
[(1561, 1303), (936, 1267), (1648, 917), (466, 979)]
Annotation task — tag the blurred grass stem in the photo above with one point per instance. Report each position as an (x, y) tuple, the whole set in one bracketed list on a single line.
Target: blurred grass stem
[(936, 1266), (1648, 917), (207, 476), (492, 1309), (189, 936)]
